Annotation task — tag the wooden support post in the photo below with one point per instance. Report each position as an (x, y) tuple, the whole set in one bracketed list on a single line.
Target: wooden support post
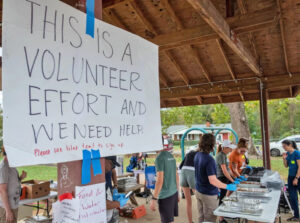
[(264, 126), (69, 173)]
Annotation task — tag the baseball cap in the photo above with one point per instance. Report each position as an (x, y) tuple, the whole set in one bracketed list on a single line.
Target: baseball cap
[(113, 159), (228, 144)]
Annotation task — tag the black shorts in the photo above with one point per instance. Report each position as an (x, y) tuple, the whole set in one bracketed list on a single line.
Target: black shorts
[(168, 208)]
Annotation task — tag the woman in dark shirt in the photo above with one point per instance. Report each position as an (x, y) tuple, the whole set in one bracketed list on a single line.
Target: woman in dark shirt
[(187, 181), (207, 183)]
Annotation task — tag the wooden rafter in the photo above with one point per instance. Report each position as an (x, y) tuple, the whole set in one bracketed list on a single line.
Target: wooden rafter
[(194, 53), (112, 16), (262, 19), (243, 9), (211, 15), (199, 99), (232, 87), (141, 16), (180, 101), (192, 50), (282, 33), (220, 98), (112, 3), (163, 79), (296, 91), (178, 68), (172, 14), (228, 65), (242, 96)]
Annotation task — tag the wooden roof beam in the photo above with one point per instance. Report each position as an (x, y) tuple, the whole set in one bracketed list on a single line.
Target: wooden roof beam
[(141, 16), (219, 44), (216, 21), (296, 91), (282, 33), (243, 9), (192, 50), (112, 3), (115, 20), (242, 96), (220, 98), (199, 99), (232, 87), (163, 80), (180, 101), (172, 14), (178, 68), (240, 24)]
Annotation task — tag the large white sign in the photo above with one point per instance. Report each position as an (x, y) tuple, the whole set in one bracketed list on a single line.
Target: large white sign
[(92, 203), (64, 91)]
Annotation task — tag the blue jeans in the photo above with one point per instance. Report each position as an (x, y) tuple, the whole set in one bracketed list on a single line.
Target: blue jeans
[(294, 195)]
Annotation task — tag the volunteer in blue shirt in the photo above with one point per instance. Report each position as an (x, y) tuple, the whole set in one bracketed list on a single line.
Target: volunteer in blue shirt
[(291, 159), (207, 184)]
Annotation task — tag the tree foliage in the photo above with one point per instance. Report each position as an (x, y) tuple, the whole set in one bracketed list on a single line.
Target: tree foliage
[(284, 117)]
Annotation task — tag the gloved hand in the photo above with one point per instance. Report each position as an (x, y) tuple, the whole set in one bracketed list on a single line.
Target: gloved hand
[(249, 167), (231, 187), (237, 182), (243, 178), (116, 195), (122, 200), (237, 179)]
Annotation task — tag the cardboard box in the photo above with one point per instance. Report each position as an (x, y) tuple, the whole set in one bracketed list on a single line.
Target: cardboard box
[(36, 188)]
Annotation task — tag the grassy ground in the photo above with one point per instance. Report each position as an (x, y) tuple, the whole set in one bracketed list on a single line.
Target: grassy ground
[(50, 172)]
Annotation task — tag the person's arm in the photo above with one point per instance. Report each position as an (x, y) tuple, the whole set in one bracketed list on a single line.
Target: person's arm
[(226, 173), (235, 169), (5, 202), (114, 177), (158, 184), (213, 180), (284, 156), (296, 180), (178, 185), (112, 204)]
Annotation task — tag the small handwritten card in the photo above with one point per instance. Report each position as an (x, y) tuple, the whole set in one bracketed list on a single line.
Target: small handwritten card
[(66, 211), (92, 201)]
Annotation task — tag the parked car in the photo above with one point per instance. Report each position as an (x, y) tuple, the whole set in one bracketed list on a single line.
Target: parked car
[(276, 148)]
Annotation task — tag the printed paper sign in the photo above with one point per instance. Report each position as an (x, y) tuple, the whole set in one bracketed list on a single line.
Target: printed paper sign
[(64, 91), (92, 201), (66, 211)]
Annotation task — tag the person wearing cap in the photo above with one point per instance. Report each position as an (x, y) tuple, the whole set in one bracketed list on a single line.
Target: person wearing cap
[(166, 187), (10, 190), (237, 159), (223, 171), (112, 213)]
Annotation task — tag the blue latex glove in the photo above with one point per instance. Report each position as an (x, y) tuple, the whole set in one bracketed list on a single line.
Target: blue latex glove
[(122, 200), (237, 179), (231, 187), (116, 195), (236, 182), (243, 178), (249, 167)]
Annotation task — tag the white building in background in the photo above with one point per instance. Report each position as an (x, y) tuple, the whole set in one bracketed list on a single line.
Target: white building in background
[(177, 131)]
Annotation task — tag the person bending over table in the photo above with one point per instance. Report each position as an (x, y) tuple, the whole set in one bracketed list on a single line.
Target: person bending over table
[(207, 183), (166, 187), (223, 171), (237, 159), (10, 191), (291, 160)]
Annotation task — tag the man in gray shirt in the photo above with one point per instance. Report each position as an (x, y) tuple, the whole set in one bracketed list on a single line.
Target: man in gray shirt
[(10, 190)]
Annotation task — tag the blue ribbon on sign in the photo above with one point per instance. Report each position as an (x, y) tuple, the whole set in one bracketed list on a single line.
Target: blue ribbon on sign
[(96, 162), (86, 167), (90, 17)]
